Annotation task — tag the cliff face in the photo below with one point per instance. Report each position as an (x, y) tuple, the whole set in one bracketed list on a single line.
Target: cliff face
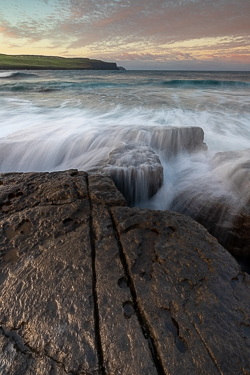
[(101, 65), (91, 286)]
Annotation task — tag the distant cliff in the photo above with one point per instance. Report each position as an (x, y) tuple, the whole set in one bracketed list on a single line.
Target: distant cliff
[(36, 62)]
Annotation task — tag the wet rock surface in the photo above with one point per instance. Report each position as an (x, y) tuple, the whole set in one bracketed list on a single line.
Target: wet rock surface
[(135, 166), (234, 167), (224, 212), (222, 216), (184, 284), (170, 141), (90, 286), (136, 171)]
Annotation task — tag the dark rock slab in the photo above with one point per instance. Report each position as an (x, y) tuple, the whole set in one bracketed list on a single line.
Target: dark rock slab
[(102, 191), (125, 348), (190, 291), (136, 171), (46, 259), (16, 360), (89, 286), (26, 190)]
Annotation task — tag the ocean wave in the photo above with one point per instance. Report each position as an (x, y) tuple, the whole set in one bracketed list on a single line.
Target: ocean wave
[(205, 83), (90, 85), (27, 88), (97, 85), (60, 86), (16, 75)]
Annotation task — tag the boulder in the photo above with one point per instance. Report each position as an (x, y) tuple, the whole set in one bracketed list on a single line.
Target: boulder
[(136, 171), (90, 286)]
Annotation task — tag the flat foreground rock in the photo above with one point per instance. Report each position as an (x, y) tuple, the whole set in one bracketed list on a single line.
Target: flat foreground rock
[(90, 286)]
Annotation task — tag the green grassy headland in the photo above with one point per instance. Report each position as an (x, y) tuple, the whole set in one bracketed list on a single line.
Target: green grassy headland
[(52, 62)]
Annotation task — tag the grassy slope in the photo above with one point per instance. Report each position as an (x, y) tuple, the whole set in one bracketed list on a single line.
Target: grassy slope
[(44, 62)]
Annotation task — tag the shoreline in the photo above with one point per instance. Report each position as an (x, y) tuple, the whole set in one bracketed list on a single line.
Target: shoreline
[(36, 68), (40, 62)]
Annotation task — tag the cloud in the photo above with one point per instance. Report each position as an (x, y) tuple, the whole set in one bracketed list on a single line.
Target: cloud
[(9, 31), (163, 20), (173, 56), (145, 25), (138, 30)]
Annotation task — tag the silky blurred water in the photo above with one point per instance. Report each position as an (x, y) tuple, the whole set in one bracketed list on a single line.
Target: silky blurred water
[(55, 120)]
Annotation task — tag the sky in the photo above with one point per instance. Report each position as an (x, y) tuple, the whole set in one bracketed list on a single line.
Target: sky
[(136, 34)]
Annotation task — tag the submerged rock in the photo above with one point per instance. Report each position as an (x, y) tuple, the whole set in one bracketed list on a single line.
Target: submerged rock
[(225, 210), (234, 168), (135, 166), (221, 215), (89, 286), (170, 141), (88, 150), (136, 171)]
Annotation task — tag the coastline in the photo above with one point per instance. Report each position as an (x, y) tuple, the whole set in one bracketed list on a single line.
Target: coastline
[(50, 68), (40, 62)]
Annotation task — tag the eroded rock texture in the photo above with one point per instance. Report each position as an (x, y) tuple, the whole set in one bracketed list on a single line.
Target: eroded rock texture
[(136, 171), (188, 290), (90, 286), (47, 304)]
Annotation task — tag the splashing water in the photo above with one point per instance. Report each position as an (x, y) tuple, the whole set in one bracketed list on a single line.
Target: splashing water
[(60, 120)]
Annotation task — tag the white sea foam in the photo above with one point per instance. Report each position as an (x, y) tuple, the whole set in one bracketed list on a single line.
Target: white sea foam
[(7, 74), (77, 129), (16, 75)]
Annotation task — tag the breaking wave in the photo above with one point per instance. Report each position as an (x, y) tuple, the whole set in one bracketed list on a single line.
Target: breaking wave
[(205, 83), (16, 75)]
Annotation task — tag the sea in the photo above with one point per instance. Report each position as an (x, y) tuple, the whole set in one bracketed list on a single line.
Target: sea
[(57, 120)]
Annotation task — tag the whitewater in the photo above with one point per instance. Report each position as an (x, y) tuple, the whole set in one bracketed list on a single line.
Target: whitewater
[(57, 120)]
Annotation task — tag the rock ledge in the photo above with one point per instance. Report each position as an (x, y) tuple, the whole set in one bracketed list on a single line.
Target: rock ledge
[(91, 286)]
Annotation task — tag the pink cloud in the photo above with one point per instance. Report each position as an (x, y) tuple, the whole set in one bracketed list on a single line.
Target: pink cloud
[(137, 30)]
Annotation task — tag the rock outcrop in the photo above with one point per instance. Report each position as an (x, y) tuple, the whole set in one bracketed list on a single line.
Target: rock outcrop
[(103, 65), (134, 165), (136, 171), (90, 286), (169, 141), (224, 212)]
